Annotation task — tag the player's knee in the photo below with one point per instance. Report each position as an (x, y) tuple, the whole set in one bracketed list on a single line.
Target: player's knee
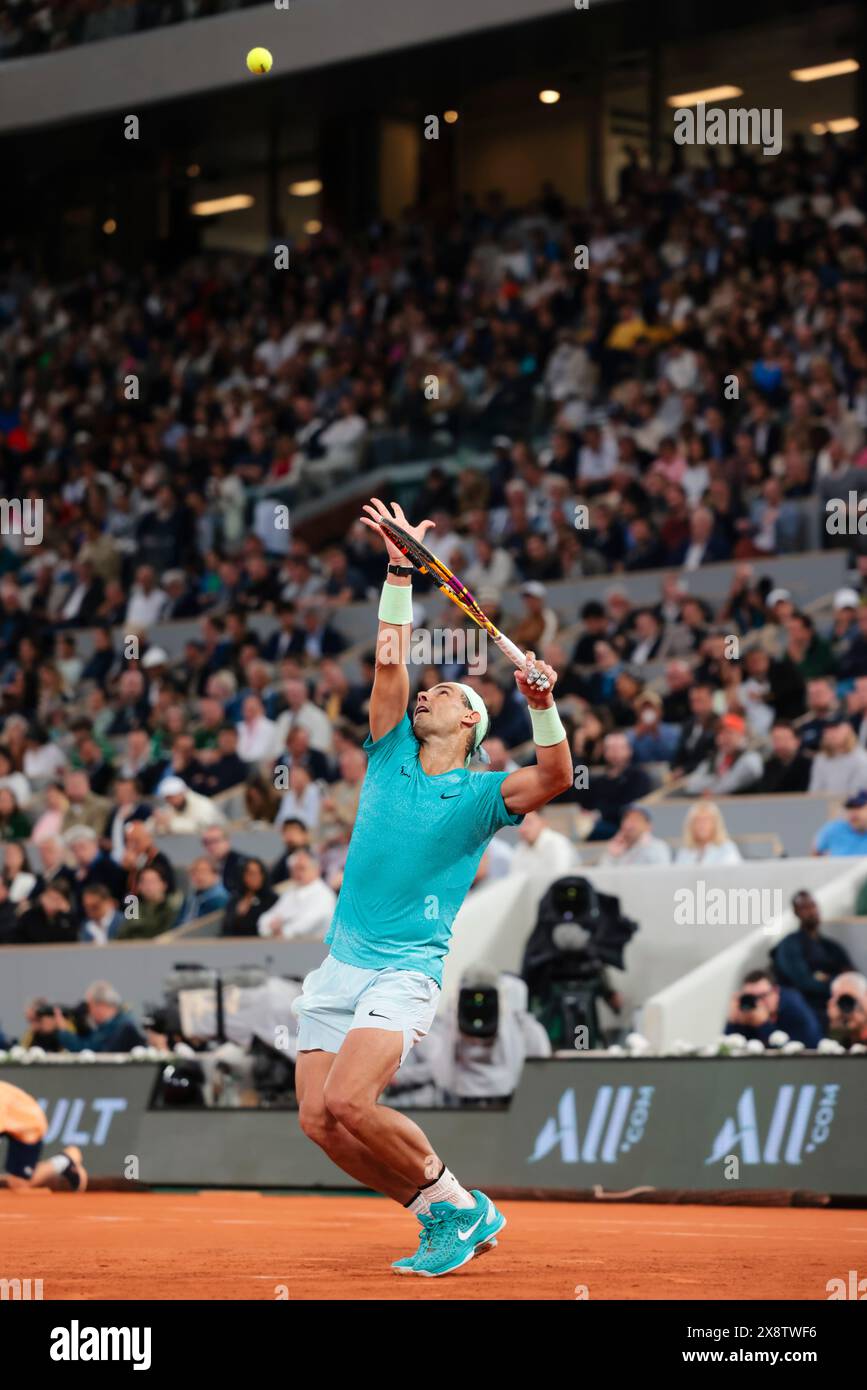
[(347, 1108), (317, 1123)]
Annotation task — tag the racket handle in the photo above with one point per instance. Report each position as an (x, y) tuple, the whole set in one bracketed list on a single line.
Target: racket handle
[(517, 657)]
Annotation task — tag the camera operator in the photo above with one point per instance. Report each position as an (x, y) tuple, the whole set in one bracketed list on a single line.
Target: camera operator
[(578, 933), (847, 1008), (761, 1006), (480, 1052), (109, 1026)]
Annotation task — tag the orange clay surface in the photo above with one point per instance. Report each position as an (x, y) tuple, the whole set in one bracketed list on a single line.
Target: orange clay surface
[(239, 1245)]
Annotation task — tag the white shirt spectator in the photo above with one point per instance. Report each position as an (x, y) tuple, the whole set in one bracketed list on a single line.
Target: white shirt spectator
[(143, 610), (305, 807), (302, 910), (19, 786), (21, 887), (551, 853), (258, 740), (726, 853), (309, 717), (845, 774), (42, 764), (196, 813), (648, 852)]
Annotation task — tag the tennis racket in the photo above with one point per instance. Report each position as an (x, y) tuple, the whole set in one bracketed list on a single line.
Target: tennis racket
[(426, 562)]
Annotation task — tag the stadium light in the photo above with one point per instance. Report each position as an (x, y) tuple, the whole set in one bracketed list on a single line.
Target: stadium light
[(839, 126), (109, 226), (235, 202), (313, 227), (707, 94), (193, 171), (824, 70), (549, 97), (305, 188), (450, 117)]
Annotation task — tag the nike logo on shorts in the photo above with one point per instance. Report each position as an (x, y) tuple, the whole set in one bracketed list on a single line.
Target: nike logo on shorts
[(371, 1014)]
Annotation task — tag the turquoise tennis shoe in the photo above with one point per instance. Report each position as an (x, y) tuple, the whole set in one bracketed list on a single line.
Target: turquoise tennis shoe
[(405, 1266), (456, 1235)]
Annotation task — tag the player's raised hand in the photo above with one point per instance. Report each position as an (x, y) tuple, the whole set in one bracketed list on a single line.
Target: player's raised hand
[(528, 678), (376, 509)]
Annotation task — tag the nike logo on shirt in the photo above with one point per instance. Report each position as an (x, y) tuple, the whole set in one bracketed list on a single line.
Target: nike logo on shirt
[(448, 796)]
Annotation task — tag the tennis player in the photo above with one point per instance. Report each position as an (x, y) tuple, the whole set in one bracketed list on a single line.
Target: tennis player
[(23, 1123), (424, 820)]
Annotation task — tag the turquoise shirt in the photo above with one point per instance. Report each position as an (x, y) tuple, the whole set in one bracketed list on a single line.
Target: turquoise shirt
[(414, 852)]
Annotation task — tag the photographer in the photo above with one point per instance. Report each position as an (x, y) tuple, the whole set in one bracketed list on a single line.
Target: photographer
[(110, 1027), (761, 1006), (847, 1009)]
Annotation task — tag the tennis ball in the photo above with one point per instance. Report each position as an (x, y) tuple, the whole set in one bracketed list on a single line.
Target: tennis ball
[(259, 60)]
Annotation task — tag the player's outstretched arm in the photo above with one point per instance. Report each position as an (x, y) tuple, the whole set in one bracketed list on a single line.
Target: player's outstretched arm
[(390, 694), (531, 787)]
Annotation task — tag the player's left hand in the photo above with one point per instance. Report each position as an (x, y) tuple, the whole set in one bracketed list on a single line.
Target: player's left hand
[(536, 698)]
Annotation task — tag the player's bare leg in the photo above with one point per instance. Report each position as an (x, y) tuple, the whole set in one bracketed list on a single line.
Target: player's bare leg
[(362, 1069), (325, 1129)]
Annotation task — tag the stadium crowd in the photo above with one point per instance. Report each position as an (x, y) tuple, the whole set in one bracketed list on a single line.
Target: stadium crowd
[(44, 26), (605, 443)]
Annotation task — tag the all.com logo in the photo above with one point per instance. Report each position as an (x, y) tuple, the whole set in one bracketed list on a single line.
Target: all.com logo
[(615, 1123), (799, 1123)]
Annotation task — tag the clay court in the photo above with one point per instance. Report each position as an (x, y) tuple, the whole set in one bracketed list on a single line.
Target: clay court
[(241, 1245)]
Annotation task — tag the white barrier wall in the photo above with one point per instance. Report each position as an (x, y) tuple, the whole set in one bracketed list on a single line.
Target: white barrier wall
[(666, 956), (693, 1008)]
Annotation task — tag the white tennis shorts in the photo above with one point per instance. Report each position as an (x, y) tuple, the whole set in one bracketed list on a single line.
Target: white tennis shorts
[(336, 997)]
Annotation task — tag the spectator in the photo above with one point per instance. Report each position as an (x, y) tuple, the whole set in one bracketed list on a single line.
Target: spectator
[(762, 1007), (841, 765), (128, 806), (206, 894), (218, 771), (845, 838), (92, 865), (20, 882), (698, 736), (635, 844), (652, 740), (84, 807), (14, 825), (617, 786), (296, 835), (154, 912), (186, 812), (102, 918), (258, 737), (252, 900), (542, 850), (823, 711), (227, 862), (305, 908), (807, 961), (141, 853), (705, 838), (49, 919), (734, 768), (302, 799), (787, 769)]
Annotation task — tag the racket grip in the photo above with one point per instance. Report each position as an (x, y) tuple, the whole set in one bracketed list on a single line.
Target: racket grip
[(517, 657)]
